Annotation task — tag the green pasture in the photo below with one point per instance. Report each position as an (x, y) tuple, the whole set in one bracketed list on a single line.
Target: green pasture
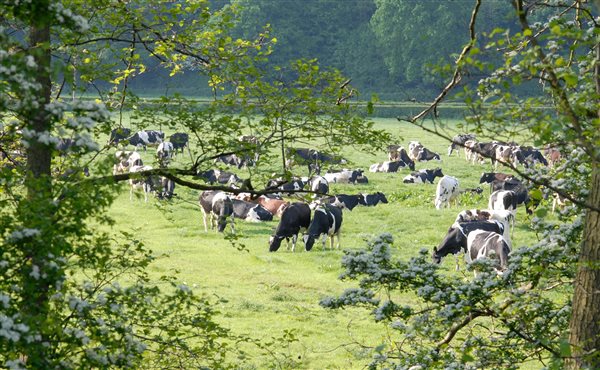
[(262, 294)]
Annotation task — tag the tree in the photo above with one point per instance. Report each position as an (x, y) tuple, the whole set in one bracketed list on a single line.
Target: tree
[(504, 321), (73, 295)]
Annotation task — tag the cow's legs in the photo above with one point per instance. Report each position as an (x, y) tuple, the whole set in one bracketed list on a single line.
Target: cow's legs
[(324, 240), (294, 240), (204, 219)]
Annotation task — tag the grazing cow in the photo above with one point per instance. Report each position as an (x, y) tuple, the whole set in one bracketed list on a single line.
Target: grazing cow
[(167, 188), (373, 199), (147, 138), (398, 153), (505, 154), (319, 184), (502, 216), (414, 147), (458, 141), (389, 166), (446, 192), (503, 200), (180, 140), (425, 154), (456, 238), (529, 156), (118, 134), (482, 244), (422, 176), (146, 183), (165, 151), (218, 206), (250, 211), (126, 161), (218, 176), (345, 176), (326, 221), (310, 157), (295, 218), (273, 205)]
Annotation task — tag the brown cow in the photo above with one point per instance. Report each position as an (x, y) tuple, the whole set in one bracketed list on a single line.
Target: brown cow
[(275, 206)]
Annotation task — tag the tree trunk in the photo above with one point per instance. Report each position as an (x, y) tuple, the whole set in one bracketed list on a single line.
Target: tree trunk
[(585, 320)]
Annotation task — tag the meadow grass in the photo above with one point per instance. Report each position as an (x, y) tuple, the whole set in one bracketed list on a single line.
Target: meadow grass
[(263, 294)]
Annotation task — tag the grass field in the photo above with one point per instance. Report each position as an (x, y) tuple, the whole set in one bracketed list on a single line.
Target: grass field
[(262, 294)]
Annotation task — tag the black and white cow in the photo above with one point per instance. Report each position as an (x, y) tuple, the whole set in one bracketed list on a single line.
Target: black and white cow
[(235, 160), (294, 219), (529, 156), (219, 207), (373, 199), (503, 200), (250, 211), (167, 188), (165, 151), (326, 221), (488, 244), (125, 160), (147, 138), (414, 147), (425, 154), (423, 176), (456, 237), (218, 176), (180, 140), (344, 201), (346, 176), (398, 153), (118, 134), (483, 151), (319, 184), (146, 183), (506, 218), (446, 192), (293, 185), (459, 141), (388, 166)]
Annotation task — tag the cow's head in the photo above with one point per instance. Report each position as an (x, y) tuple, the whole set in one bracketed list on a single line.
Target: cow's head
[(274, 243), (309, 241)]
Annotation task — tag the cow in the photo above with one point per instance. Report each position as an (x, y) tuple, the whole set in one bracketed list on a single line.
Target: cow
[(470, 155), (310, 157), (273, 205), (344, 201), (326, 221), (345, 176), (489, 177), (503, 200), (483, 151), (389, 166), (505, 154), (398, 153), (319, 184), (425, 154), (217, 176), (126, 160), (553, 155), (414, 147), (294, 219), (458, 141), (118, 134), (219, 207), (293, 185), (165, 151), (446, 192), (373, 199), (235, 160), (456, 238), (250, 211), (529, 156), (482, 244), (180, 140), (423, 176), (504, 217), (147, 138), (558, 200), (146, 183), (167, 188)]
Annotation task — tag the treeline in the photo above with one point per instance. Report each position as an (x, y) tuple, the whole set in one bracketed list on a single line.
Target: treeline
[(387, 47)]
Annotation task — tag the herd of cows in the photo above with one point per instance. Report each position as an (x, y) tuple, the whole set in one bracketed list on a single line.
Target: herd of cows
[(478, 233)]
